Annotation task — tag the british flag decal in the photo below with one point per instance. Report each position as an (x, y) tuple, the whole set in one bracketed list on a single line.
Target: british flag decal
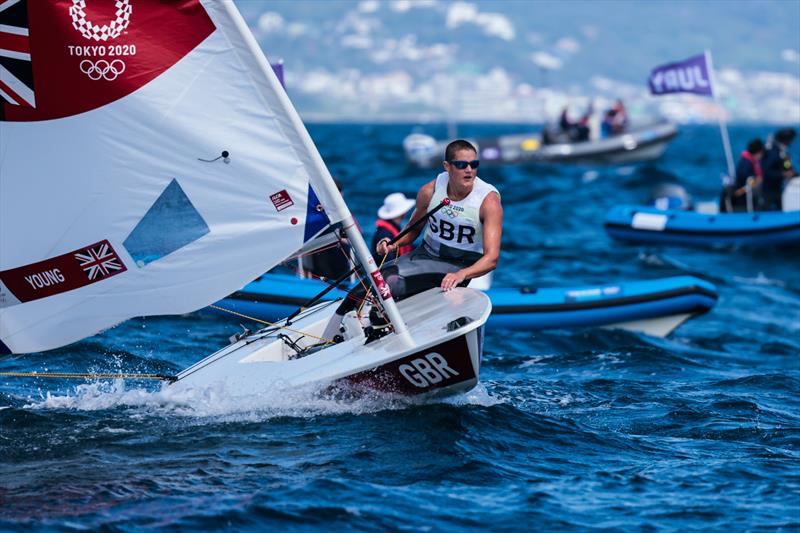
[(99, 261), (60, 58), (16, 71), (78, 268)]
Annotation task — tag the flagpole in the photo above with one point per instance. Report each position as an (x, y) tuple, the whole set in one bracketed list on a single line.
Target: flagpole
[(723, 126)]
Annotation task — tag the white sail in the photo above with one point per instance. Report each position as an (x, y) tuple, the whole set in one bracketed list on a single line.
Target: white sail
[(115, 197)]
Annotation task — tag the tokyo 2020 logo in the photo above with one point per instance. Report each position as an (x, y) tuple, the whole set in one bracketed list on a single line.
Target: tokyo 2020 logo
[(97, 32)]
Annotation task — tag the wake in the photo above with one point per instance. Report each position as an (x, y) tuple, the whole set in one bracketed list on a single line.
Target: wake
[(216, 404)]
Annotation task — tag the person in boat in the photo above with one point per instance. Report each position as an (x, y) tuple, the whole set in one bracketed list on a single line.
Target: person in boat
[(607, 125), (331, 263), (461, 240), (615, 120), (745, 193), (575, 131), (390, 218), (778, 167), (620, 122), (564, 122)]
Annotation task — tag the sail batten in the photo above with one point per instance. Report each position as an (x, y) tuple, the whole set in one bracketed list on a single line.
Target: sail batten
[(178, 175)]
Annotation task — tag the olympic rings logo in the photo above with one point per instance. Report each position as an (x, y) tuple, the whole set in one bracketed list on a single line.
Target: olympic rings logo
[(449, 212), (103, 69)]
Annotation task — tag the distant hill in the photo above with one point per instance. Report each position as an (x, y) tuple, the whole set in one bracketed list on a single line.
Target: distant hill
[(523, 60)]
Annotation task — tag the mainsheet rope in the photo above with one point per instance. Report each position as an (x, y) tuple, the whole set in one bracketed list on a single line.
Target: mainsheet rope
[(87, 375), (110, 375), (162, 377), (278, 326)]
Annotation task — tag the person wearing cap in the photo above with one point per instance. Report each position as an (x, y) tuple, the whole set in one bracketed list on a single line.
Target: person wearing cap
[(390, 218), (461, 241), (777, 167)]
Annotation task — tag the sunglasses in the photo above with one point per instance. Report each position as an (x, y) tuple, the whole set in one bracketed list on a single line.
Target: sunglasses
[(461, 165)]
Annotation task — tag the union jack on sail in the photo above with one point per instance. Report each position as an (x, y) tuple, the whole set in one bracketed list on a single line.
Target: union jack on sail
[(16, 71), (99, 261)]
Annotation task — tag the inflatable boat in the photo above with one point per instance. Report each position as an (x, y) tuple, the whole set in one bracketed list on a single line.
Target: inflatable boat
[(655, 307), (651, 225), (642, 143)]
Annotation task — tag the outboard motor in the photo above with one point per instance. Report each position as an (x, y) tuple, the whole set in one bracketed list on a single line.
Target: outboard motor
[(791, 195), (666, 196)]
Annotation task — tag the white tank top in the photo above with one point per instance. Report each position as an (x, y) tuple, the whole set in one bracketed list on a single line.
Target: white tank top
[(456, 231)]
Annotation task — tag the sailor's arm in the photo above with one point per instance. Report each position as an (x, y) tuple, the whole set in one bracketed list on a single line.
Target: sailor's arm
[(423, 200), (492, 217)]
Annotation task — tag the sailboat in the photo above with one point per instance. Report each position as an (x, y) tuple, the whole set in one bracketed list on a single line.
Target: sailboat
[(150, 164)]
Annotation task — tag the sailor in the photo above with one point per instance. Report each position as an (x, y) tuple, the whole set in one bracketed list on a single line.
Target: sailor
[(390, 218), (620, 121), (576, 131), (746, 191), (461, 241), (564, 122), (777, 167), (607, 126), (615, 120)]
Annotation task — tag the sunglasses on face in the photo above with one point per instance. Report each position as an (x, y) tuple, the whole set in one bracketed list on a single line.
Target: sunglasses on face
[(461, 165)]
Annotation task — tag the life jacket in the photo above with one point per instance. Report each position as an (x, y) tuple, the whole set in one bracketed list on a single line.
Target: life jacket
[(756, 164), (395, 231)]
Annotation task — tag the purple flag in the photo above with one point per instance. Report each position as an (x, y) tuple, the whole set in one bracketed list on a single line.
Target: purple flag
[(689, 76), (277, 68)]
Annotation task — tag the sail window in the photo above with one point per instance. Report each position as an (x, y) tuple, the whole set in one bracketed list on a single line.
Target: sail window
[(316, 218), (171, 223)]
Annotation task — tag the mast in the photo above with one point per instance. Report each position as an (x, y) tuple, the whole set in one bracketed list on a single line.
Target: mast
[(723, 127), (356, 239)]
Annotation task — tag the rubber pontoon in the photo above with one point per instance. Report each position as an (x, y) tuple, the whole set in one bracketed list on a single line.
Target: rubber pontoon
[(655, 307), (650, 225)]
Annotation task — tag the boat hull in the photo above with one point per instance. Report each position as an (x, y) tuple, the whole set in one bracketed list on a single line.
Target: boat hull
[(441, 357), (636, 306), (642, 224), (642, 144), (449, 367)]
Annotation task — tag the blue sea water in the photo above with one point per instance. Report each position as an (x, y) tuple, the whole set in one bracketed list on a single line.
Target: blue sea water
[(569, 429)]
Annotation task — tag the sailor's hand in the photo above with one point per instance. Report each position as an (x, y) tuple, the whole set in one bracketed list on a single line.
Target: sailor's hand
[(452, 280), (384, 248)]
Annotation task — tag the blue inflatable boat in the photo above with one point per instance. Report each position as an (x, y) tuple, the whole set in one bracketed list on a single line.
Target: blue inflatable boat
[(654, 307), (655, 226)]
